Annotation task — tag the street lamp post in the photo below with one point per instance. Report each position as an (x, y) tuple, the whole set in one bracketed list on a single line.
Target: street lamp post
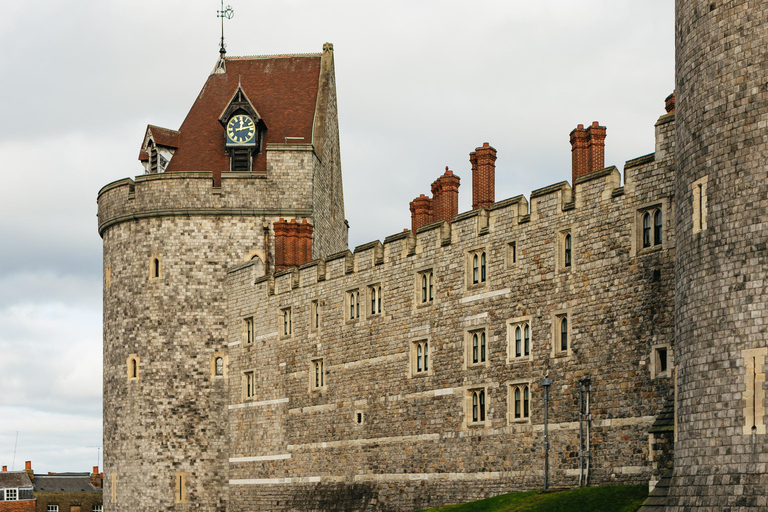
[(545, 383)]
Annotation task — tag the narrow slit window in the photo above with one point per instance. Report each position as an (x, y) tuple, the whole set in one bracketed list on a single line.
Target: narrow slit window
[(482, 405), (646, 229), (657, 224), (518, 341), (219, 363), (517, 403), (482, 267), (567, 251), (475, 348), (527, 340), (475, 270), (564, 334)]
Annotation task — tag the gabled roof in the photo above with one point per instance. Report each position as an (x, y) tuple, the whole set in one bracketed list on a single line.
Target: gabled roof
[(282, 88), (161, 136), (78, 483), (11, 479)]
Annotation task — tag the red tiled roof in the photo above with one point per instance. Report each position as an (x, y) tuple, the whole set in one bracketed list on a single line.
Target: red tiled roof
[(164, 136), (283, 89)]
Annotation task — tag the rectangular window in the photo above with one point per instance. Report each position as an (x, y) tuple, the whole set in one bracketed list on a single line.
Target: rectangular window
[(374, 299), (561, 334), (660, 361), (97, 508), (52, 508), (314, 315), (519, 339), (519, 401), (248, 330), (317, 374), (11, 494), (476, 347), (425, 287), (181, 488), (476, 406), (353, 304), (285, 314), (511, 254), (699, 189), (753, 397), (421, 363), (249, 385)]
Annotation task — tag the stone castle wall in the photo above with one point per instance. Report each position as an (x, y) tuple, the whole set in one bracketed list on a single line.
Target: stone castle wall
[(722, 265), (387, 437)]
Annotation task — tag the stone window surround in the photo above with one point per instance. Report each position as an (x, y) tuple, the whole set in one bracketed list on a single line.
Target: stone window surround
[(314, 315), (419, 287), (349, 315), (656, 372), (11, 494), (557, 317), (214, 357), (248, 333), (286, 322), (469, 333), (511, 254), (130, 374), (249, 384), (180, 481), (482, 283), (753, 398), (560, 250), (52, 508), (512, 325), (375, 292), (661, 204), (511, 387), (482, 407), (358, 418), (413, 357), (314, 385), (155, 267), (113, 487)]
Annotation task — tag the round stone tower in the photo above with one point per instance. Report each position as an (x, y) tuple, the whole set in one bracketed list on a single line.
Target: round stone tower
[(259, 145), (721, 296)]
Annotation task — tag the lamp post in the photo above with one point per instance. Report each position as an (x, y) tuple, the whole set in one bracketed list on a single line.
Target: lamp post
[(545, 383)]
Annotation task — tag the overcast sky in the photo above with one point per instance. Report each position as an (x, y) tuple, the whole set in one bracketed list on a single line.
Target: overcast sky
[(420, 84)]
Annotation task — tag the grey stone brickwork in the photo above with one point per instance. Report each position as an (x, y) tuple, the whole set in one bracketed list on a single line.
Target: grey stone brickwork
[(296, 448), (721, 271)]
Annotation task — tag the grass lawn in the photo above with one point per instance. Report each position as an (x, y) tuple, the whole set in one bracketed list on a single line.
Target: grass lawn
[(587, 499)]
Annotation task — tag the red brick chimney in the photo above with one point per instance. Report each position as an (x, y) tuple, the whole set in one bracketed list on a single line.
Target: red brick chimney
[(28, 470), (483, 160), (445, 197), (96, 477), (293, 243), (421, 212), (5, 468), (587, 150), (669, 103)]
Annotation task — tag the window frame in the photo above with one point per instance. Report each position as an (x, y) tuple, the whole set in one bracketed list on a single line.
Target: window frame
[(248, 331), (15, 491), (477, 342), (656, 372), (374, 300), (214, 358), (352, 297), (317, 375), (425, 288), (650, 235), (476, 407), (314, 315), (418, 359), (557, 318), (286, 322), (699, 208), (52, 508), (512, 325), (513, 388), (511, 254), (155, 267), (249, 384), (477, 275), (133, 367)]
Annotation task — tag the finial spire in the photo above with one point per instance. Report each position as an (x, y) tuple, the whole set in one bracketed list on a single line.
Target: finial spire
[(228, 13)]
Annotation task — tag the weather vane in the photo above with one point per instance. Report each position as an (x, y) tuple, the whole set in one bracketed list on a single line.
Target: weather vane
[(228, 13)]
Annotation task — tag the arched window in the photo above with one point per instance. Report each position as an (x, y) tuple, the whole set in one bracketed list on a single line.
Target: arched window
[(482, 405), (517, 403), (482, 346), (419, 355), (482, 267), (657, 227), (429, 279), (475, 270), (646, 229), (156, 267), (526, 402), (319, 375), (475, 414), (287, 322), (567, 250), (134, 369), (518, 342), (378, 298), (426, 356), (219, 366), (475, 348), (373, 300), (564, 334), (424, 290), (527, 340)]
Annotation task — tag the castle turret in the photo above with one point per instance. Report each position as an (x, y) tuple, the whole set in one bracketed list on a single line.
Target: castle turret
[(259, 143), (721, 297)]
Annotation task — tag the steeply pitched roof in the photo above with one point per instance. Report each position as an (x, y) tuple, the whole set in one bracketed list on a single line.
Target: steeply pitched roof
[(12, 479), (78, 482), (283, 88)]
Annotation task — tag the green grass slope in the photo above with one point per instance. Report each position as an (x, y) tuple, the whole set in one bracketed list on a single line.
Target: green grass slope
[(587, 499)]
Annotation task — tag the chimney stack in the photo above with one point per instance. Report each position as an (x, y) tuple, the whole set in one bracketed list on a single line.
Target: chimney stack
[(421, 212), (96, 477), (669, 103), (483, 160), (5, 468), (587, 150), (445, 197), (293, 243), (28, 470)]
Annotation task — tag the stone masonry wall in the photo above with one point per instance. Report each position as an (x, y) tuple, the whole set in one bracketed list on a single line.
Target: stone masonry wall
[(387, 437), (721, 454)]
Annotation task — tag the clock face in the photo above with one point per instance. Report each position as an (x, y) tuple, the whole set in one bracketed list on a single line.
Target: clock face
[(241, 130)]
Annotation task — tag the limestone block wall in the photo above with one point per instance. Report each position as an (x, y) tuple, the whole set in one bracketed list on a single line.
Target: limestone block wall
[(721, 225), (377, 434)]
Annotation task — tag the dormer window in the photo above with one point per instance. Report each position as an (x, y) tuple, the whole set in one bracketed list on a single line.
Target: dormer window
[(243, 132)]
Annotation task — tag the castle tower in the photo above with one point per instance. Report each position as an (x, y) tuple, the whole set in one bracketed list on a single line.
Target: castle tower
[(721, 255), (260, 144)]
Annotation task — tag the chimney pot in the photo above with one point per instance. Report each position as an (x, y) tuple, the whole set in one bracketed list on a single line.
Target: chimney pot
[(5, 468), (95, 469), (28, 464)]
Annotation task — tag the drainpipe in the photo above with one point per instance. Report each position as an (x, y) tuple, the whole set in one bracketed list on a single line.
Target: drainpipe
[(588, 385), (581, 432)]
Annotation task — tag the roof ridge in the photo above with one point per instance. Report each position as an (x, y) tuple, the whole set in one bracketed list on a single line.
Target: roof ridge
[(277, 55)]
